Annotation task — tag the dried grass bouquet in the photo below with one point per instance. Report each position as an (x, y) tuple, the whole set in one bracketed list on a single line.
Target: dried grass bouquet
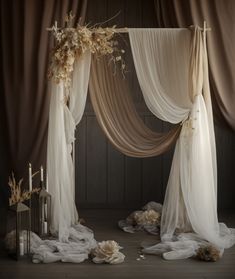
[(17, 195)]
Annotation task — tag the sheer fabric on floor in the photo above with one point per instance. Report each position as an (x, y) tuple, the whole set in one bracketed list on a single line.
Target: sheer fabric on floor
[(163, 58)]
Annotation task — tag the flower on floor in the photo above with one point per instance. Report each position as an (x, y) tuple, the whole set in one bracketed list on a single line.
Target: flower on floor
[(108, 252), (148, 217), (208, 253)]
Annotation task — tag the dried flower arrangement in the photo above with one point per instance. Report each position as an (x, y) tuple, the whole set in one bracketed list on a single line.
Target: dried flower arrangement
[(71, 43), (208, 253), (107, 252), (17, 195), (148, 217)]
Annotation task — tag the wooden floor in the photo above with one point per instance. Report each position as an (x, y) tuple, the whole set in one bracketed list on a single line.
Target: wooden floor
[(104, 224)]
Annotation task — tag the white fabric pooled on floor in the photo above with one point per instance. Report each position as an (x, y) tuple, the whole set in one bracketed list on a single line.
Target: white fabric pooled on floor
[(77, 249), (183, 246)]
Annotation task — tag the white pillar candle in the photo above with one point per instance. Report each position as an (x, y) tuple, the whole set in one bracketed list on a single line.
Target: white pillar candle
[(45, 208), (41, 173), (47, 183), (43, 218), (45, 227), (21, 242), (30, 177)]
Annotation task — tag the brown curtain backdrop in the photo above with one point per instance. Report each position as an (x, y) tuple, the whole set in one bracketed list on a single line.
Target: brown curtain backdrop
[(24, 55), (116, 114), (220, 16)]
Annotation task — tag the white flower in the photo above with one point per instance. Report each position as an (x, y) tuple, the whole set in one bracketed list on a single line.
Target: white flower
[(70, 59), (108, 252)]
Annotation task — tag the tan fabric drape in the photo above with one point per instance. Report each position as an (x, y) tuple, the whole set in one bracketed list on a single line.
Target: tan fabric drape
[(118, 118), (221, 42), (24, 97)]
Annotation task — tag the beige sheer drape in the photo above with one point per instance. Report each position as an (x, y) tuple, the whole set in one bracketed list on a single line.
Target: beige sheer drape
[(118, 117)]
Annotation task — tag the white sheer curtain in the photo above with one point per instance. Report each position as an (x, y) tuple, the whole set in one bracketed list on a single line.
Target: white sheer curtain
[(60, 167), (164, 86), (171, 66), (78, 96)]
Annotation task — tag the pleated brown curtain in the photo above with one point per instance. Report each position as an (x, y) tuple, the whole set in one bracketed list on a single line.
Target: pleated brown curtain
[(24, 55), (118, 118), (221, 41)]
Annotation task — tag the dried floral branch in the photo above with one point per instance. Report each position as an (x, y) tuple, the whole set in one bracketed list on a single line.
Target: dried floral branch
[(208, 253), (71, 43), (17, 195)]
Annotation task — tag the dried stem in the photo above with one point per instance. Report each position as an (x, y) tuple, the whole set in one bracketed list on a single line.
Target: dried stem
[(17, 195)]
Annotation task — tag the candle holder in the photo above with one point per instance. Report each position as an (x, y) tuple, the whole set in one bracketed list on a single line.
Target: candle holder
[(44, 212), (21, 230)]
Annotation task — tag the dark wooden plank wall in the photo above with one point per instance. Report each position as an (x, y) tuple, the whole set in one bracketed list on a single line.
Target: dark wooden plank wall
[(105, 178)]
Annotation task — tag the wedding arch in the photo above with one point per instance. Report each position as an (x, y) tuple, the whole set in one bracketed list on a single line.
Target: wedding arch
[(172, 70)]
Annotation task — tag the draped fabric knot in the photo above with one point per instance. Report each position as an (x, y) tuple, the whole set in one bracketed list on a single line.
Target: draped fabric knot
[(190, 125)]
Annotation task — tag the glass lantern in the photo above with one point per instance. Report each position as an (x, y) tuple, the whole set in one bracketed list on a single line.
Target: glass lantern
[(44, 213), (20, 233)]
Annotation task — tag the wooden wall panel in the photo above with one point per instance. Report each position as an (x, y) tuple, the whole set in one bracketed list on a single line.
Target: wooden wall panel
[(81, 162), (153, 168), (166, 161), (225, 145), (96, 163), (116, 176), (133, 18), (148, 14), (133, 185), (105, 177)]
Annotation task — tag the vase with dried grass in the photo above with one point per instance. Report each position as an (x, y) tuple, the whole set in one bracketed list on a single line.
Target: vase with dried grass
[(19, 219)]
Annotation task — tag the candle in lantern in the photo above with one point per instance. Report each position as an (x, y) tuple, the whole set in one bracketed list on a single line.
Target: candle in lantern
[(41, 173), (45, 208), (30, 177), (21, 244), (47, 182), (45, 227)]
